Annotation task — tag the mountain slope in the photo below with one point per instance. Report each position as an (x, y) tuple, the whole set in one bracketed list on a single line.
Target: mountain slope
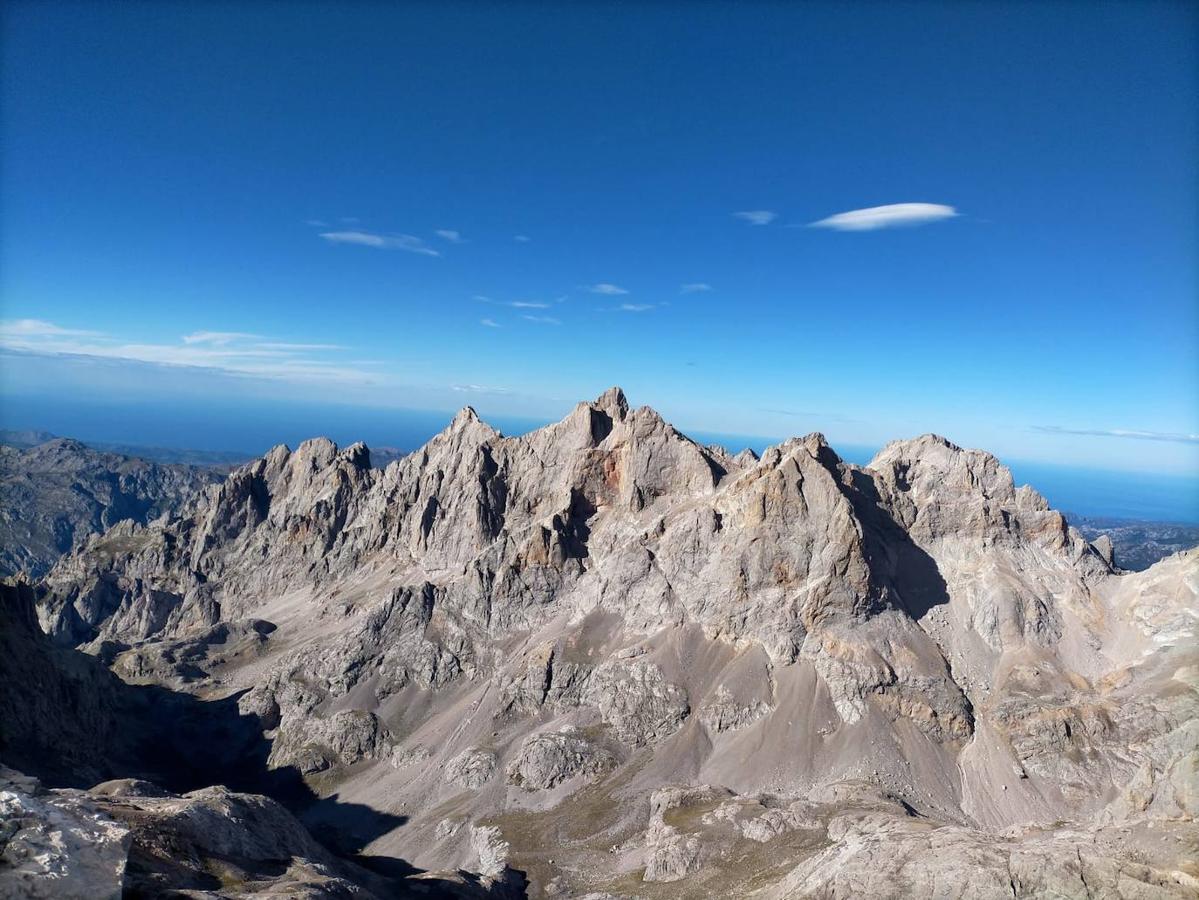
[(620, 660)]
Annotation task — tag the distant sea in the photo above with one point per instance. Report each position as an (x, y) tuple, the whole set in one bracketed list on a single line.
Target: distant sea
[(251, 430)]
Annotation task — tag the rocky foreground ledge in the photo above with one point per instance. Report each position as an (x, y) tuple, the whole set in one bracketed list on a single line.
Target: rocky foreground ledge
[(624, 664)]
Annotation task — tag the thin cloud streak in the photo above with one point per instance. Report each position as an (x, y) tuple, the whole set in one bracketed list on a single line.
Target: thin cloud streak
[(405, 242), (608, 290), (478, 389), (226, 352), (490, 323), (216, 337), (694, 287), (514, 304), (1174, 437), (449, 234), (757, 216), (544, 320), (895, 215), (40, 328)]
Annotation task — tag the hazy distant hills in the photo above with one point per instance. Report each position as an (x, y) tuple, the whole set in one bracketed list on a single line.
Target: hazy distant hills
[(1139, 544), (58, 491), (213, 458)]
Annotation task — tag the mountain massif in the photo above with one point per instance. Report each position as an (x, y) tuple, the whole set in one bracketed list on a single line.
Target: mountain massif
[(603, 660)]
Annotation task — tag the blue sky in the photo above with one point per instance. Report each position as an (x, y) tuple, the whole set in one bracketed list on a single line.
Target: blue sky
[(397, 206)]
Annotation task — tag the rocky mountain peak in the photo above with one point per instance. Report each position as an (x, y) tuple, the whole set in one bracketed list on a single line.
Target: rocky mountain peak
[(521, 617), (613, 402)]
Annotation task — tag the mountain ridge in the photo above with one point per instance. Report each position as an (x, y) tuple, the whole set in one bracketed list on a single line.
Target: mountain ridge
[(491, 630)]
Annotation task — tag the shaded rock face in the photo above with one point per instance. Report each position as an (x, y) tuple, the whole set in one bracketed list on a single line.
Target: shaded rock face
[(58, 492), (64, 715), (535, 634)]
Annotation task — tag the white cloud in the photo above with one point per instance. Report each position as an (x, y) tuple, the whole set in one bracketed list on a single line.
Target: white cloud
[(544, 320), (610, 290), (757, 216), (478, 389), (39, 328), (1176, 437), (694, 287), (449, 234), (891, 216), (215, 337), (633, 307), (515, 304), (231, 353), (316, 223), (490, 323), (287, 345), (382, 241), (521, 238)]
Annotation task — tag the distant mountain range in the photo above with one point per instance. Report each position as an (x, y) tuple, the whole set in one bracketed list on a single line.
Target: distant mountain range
[(71, 489)]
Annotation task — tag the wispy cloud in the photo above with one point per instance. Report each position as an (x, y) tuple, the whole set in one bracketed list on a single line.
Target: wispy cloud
[(232, 353), (892, 216), (478, 389), (521, 238), (39, 328), (757, 216), (296, 348), (633, 307), (216, 337), (610, 290), (544, 320), (406, 242), (490, 323), (514, 304), (694, 287), (316, 223), (449, 234), (247, 341), (1176, 437)]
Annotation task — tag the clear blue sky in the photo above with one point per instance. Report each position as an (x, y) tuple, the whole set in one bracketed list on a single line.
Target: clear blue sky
[(316, 197)]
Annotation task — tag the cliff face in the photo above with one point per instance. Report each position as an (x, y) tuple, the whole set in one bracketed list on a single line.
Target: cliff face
[(681, 670)]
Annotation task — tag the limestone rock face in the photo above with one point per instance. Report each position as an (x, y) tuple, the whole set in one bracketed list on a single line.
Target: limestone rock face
[(57, 847), (537, 634), (471, 768), (123, 839), (546, 760)]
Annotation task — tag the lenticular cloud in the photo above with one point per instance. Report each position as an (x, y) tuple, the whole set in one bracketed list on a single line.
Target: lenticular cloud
[(892, 216)]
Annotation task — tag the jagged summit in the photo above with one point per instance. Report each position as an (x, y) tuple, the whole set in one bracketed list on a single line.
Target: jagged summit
[(613, 402), (777, 646)]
